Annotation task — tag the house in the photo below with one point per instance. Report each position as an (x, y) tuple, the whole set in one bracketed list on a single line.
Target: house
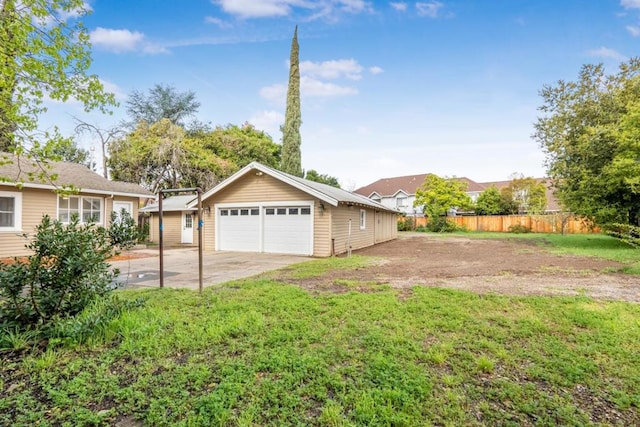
[(259, 209), (25, 199), (179, 221), (400, 192)]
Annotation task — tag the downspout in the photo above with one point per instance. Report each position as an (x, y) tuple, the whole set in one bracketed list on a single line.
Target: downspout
[(349, 240)]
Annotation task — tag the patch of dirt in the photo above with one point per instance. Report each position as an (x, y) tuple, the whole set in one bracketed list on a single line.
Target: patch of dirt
[(484, 266)]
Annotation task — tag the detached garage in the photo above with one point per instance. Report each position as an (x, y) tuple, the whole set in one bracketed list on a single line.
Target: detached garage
[(260, 209)]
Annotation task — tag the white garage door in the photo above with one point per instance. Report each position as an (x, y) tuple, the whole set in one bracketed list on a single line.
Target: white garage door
[(272, 229), (239, 229), (288, 230)]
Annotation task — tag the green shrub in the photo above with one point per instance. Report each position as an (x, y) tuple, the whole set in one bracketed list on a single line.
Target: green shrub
[(406, 224), (519, 228), (630, 234), (442, 225), (67, 271)]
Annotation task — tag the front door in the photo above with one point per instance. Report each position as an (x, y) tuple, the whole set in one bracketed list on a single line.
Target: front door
[(187, 227)]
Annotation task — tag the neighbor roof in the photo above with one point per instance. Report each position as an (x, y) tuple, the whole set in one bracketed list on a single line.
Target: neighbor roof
[(24, 171), (332, 195), (388, 187), (173, 203)]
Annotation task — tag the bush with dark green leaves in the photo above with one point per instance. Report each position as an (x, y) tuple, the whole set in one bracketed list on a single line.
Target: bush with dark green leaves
[(519, 228), (67, 270), (630, 234), (441, 224)]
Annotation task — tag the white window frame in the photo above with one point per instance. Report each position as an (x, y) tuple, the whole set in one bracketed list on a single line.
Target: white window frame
[(80, 208), (17, 211), (402, 202), (363, 219)]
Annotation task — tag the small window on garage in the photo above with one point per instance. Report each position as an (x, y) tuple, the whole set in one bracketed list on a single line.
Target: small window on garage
[(244, 212), (293, 211), (224, 212), (282, 211), (363, 219), (255, 211), (305, 211), (270, 211), (234, 212)]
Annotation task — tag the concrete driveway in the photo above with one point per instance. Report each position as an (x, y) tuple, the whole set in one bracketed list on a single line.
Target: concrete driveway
[(181, 267)]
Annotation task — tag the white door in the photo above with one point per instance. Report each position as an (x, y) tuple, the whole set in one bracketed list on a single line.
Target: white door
[(187, 227), (238, 229), (119, 206), (288, 230)]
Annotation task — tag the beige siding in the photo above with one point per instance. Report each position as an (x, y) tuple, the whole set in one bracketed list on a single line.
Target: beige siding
[(386, 226), (35, 204), (253, 188), (340, 230), (172, 234)]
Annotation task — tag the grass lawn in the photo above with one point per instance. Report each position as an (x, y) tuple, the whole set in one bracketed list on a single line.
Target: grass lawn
[(260, 352)]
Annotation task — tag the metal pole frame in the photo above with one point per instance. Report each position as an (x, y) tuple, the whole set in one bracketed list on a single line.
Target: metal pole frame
[(161, 194)]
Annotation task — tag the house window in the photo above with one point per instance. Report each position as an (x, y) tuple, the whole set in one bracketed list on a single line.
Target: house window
[(363, 219), (401, 202), (91, 209), (88, 209), (10, 211)]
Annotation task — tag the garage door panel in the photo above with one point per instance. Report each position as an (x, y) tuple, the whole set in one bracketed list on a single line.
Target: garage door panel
[(287, 230), (239, 229), (274, 229)]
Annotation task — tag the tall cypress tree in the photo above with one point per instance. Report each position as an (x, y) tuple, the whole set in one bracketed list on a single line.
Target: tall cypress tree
[(291, 156)]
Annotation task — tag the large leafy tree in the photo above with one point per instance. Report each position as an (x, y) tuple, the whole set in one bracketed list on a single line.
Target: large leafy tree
[(44, 53), (524, 194), (164, 155), (489, 202), (240, 145), (588, 130), (437, 196), (162, 102), (161, 156), (313, 175), (291, 141)]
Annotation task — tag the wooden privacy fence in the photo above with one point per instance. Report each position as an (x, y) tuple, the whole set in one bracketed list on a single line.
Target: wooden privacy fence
[(550, 223)]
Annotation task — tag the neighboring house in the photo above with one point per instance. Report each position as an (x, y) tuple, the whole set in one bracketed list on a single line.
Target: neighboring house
[(400, 192), (179, 223), (259, 209), (23, 202), (553, 204)]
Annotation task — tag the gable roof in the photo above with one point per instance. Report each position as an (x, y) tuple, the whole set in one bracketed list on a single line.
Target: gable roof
[(19, 169), (331, 195), (173, 204), (389, 187)]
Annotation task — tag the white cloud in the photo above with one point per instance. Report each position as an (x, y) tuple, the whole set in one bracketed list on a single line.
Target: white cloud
[(630, 4), (399, 6), (354, 6), (276, 93), (309, 87), (334, 69), (217, 21), (114, 89), (276, 8), (268, 121), (633, 30), (430, 10), (120, 41), (256, 9), (607, 53), (316, 88), (375, 70)]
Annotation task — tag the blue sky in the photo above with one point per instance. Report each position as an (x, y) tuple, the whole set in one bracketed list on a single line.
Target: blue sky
[(388, 88)]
